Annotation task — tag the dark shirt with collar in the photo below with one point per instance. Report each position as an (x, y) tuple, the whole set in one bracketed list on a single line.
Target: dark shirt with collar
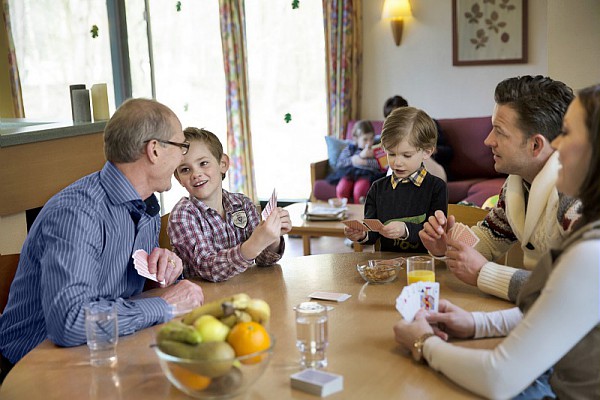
[(407, 202)]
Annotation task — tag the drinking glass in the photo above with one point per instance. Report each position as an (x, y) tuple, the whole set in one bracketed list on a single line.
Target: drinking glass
[(102, 331), (420, 268), (311, 334)]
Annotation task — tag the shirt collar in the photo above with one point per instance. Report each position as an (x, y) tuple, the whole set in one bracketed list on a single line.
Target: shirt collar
[(230, 203), (120, 191), (416, 177)]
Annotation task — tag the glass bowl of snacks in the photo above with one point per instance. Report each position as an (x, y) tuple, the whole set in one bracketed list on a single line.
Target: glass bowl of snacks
[(381, 271)]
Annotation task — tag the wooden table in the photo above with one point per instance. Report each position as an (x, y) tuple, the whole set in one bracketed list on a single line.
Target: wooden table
[(306, 229), (362, 346)]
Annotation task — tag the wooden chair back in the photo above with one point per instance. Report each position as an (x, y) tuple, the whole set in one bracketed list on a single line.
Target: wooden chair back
[(8, 268), (163, 238), (468, 215)]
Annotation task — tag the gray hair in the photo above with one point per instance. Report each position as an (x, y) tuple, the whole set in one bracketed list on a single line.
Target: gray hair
[(134, 123)]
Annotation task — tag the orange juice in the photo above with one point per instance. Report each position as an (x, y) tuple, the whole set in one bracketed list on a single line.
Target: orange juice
[(420, 275)]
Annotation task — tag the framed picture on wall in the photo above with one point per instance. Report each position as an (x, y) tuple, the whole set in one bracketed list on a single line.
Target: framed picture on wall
[(488, 32)]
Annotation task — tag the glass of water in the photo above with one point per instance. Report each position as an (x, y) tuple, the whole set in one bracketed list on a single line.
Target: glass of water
[(311, 334), (102, 331)]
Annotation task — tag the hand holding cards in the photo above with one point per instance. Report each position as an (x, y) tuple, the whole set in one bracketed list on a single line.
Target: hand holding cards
[(140, 262)]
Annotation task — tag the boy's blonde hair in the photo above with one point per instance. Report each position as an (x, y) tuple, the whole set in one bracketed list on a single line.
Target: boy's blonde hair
[(411, 124), (211, 140)]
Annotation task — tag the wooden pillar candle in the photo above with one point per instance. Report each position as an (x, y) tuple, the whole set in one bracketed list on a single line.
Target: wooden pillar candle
[(100, 102)]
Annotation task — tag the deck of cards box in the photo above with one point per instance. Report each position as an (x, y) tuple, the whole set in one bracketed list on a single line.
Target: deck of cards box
[(317, 382), (323, 213)]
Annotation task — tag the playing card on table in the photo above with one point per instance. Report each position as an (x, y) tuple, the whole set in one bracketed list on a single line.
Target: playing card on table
[(140, 262), (419, 295), (463, 234), (271, 204)]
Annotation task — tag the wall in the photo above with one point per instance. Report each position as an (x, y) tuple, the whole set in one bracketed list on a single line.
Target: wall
[(421, 68)]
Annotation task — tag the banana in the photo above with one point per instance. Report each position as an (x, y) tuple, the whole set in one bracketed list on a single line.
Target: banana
[(179, 332), (229, 320), (259, 310), (218, 308)]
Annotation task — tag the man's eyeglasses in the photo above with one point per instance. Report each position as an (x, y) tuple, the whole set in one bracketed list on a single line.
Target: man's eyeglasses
[(185, 146)]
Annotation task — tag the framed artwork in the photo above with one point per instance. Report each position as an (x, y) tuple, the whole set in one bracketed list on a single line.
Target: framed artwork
[(488, 32)]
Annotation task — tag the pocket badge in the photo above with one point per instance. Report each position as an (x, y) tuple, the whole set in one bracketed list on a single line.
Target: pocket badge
[(240, 219)]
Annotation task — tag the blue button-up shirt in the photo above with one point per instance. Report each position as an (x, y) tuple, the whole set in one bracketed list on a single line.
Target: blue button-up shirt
[(79, 249)]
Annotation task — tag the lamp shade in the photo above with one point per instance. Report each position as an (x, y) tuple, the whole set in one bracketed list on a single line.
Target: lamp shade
[(394, 9)]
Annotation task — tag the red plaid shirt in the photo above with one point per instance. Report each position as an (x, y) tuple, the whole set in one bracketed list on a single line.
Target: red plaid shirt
[(210, 245)]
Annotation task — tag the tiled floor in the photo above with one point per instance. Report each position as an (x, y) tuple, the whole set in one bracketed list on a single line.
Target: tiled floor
[(318, 245)]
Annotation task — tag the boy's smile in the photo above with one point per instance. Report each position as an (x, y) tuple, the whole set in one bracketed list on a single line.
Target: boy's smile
[(201, 174)]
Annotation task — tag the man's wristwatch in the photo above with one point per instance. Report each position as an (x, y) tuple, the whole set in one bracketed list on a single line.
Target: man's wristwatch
[(418, 346)]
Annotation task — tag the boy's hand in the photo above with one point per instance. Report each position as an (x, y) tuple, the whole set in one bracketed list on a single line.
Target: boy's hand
[(367, 152), (265, 234), (354, 234), (394, 230), (433, 234), (286, 222)]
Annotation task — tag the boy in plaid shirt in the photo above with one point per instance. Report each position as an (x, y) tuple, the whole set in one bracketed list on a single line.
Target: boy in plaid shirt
[(216, 233)]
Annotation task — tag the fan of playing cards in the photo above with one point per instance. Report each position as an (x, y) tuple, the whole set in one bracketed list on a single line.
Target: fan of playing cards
[(416, 296), (463, 233), (270, 206)]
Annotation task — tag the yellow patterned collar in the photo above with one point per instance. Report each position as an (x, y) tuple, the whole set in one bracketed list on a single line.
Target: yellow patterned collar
[(416, 177)]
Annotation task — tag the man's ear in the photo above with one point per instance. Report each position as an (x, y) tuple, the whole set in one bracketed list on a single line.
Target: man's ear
[(151, 150), (538, 144)]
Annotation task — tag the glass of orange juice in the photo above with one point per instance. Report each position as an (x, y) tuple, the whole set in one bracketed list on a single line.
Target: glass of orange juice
[(420, 268)]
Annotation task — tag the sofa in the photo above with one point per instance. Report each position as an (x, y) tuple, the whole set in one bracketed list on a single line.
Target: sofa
[(471, 175)]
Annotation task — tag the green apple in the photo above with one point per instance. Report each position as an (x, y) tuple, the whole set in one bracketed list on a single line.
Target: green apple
[(211, 329)]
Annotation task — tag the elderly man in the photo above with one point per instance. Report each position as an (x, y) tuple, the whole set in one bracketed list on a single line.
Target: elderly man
[(80, 247), (527, 117)]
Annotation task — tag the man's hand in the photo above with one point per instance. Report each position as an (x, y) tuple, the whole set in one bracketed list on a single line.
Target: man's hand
[(165, 264), (452, 321), (183, 296), (394, 230), (464, 261), (433, 234)]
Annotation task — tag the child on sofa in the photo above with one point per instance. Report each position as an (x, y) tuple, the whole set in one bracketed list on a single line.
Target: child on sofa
[(406, 199), (356, 167), (216, 233)]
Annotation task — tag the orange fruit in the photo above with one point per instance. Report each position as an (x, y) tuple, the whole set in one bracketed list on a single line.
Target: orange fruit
[(188, 378), (247, 338)]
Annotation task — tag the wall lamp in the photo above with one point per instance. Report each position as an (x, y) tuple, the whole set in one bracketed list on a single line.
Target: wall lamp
[(395, 11)]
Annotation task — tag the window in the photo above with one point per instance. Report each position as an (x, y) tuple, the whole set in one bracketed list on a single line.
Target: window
[(55, 49), (286, 74)]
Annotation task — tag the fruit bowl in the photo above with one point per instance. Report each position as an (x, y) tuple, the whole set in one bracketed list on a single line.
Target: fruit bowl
[(381, 271), (204, 379)]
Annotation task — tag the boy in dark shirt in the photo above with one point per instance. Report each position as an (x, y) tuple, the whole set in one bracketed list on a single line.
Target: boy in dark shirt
[(404, 200)]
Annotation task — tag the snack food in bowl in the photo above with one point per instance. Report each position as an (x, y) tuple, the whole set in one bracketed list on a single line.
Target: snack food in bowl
[(381, 271), (219, 378), (338, 202)]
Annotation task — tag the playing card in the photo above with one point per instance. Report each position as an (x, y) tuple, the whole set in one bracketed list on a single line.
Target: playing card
[(355, 224), (330, 296), (373, 224), (406, 304), (140, 263), (270, 206), (429, 295)]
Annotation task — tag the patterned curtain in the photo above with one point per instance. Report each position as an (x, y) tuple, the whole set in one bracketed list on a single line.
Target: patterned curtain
[(15, 81), (239, 138), (343, 47)]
